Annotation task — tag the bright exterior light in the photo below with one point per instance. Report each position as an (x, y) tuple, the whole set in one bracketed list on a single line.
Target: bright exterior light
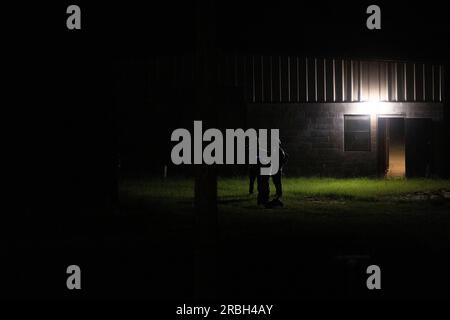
[(373, 107)]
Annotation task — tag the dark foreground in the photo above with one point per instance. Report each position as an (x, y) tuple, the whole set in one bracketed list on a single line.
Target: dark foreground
[(317, 246)]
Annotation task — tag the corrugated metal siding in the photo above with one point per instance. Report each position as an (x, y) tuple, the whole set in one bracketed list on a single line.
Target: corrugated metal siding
[(275, 79), (309, 79)]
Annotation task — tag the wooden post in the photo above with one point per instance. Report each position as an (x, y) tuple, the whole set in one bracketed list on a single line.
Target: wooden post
[(205, 202)]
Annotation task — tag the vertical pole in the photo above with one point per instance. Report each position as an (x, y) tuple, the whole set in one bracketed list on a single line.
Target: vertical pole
[(205, 189)]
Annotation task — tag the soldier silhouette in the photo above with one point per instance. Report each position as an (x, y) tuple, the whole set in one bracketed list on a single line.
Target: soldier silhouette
[(252, 174), (276, 178), (263, 181)]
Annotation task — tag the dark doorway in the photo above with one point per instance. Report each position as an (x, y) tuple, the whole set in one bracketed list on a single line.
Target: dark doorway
[(391, 147), (419, 133)]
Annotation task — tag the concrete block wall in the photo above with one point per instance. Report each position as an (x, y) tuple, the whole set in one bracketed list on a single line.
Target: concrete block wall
[(313, 133)]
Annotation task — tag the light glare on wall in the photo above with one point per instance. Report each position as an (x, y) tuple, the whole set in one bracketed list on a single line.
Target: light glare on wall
[(372, 107)]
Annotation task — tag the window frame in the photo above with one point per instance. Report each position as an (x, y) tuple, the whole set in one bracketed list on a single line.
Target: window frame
[(369, 146)]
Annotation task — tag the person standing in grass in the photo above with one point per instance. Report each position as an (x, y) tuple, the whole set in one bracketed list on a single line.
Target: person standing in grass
[(263, 188), (263, 182), (276, 178), (252, 174)]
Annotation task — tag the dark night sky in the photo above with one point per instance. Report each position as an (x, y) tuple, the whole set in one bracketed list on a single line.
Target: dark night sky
[(127, 29), (411, 29)]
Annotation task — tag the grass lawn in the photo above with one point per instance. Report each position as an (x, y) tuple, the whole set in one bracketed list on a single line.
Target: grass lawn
[(401, 224), (359, 188), (299, 193), (364, 212), (304, 198)]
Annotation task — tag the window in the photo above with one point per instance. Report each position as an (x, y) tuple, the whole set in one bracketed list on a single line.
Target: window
[(357, 133)]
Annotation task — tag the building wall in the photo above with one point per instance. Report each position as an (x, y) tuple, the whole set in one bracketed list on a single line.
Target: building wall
[(313, 133), (299, 79)]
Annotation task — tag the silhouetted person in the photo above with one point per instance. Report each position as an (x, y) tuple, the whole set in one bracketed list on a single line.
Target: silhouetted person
[(262, 182), (263, 189), (252, 174), (276, 178)]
